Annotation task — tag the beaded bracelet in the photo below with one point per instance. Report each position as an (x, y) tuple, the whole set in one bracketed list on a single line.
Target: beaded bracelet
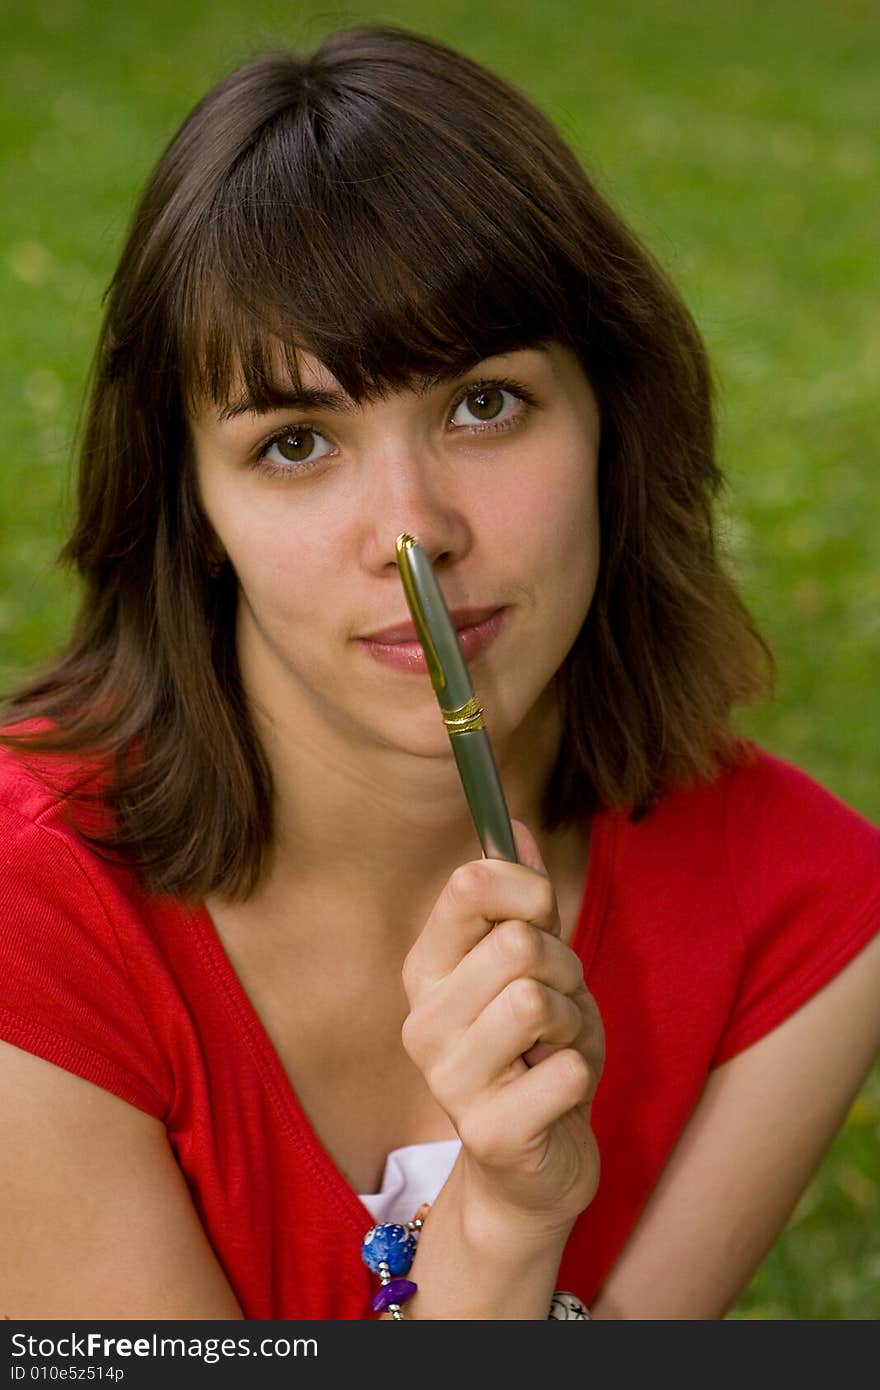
[(389, 1250)]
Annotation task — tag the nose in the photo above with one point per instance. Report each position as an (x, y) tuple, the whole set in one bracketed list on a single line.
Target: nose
[(412, 496)]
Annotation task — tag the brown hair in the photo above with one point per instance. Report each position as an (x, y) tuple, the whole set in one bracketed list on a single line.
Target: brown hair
[(396, 210)]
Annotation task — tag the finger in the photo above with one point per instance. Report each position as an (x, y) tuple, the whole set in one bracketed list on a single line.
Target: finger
[(476, 896), (590, 1041), (520, 948), (512, 950), (518, 1116), (490, 1052)]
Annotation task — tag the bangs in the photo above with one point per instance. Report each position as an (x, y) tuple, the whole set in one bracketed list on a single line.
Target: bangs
[(388, 249)]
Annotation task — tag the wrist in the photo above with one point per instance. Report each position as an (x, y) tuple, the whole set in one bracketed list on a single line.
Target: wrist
[(450, 1289), (492, 1222), (480, 1259)]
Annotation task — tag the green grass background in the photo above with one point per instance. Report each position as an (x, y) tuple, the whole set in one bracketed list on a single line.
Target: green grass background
[(740, 139)]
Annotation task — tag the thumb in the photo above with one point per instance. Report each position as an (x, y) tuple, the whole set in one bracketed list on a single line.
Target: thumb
[(529, 854), (527, 850)]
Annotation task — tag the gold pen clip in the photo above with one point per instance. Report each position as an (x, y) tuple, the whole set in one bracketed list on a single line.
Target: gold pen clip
[(404, 544)]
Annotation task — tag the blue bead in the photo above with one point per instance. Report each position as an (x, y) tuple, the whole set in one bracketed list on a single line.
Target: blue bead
[(391, 1245)]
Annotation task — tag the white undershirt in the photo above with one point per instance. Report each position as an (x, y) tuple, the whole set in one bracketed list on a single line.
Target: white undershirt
[(413, 1175)]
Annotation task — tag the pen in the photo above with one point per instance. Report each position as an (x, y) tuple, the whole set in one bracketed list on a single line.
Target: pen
[(462, 714)]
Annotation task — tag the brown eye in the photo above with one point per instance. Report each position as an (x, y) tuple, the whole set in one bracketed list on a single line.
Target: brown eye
[(486, 403), (296, 446)]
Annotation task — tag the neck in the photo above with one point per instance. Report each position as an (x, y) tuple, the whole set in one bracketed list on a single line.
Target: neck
[(385, 826)]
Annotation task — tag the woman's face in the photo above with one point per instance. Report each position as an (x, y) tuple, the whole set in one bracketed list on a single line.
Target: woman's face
[(494, 471)]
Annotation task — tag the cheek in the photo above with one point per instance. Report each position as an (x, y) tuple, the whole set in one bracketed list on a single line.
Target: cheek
[(570, 541), (555, 510), (577, 497), (275, 561)]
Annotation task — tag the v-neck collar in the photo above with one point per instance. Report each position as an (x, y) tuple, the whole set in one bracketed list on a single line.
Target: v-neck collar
[(335, 1188)]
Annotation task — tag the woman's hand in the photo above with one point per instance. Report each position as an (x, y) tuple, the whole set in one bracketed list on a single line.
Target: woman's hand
[(509, 1039)]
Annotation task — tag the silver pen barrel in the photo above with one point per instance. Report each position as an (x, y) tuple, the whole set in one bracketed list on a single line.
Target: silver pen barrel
[(462, 714), (482, 788)]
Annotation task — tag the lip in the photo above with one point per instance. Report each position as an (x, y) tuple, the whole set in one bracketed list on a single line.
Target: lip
[(399, 647), (405, 632)]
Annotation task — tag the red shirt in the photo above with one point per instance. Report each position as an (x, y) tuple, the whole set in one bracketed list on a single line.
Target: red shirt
[(702, 926)]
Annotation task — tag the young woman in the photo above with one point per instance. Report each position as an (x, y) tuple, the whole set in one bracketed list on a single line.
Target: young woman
[(260, 988)]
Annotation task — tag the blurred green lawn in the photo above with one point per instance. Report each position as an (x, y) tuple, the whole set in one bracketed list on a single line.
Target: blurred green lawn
[(740, 139)]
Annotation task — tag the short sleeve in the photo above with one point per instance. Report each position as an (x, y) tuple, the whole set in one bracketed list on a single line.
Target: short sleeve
[(805, 872), (67, 993)]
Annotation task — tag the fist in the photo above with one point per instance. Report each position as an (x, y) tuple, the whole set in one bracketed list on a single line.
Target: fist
[(508, 1037)]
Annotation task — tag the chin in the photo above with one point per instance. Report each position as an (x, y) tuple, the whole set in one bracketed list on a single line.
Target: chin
[(432, 744)]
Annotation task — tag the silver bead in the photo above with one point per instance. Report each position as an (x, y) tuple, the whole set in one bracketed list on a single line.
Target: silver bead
[(565, 1306)]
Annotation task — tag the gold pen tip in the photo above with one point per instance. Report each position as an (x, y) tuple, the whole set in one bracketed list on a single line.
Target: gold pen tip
[(404, 541)]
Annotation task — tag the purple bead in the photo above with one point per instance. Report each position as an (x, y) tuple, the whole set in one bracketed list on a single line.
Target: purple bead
[(389, 1244), (395, 1291)]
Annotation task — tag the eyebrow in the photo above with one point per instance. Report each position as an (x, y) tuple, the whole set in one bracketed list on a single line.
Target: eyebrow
[(275, 398)]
